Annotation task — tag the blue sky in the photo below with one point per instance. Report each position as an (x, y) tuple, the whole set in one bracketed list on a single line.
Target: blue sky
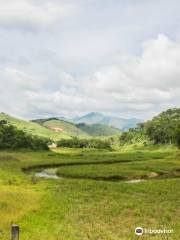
[(67, 58)]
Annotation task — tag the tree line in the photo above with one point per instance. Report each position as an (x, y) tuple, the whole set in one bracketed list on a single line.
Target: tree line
[(85, 143), (12, 138), (162, 129)]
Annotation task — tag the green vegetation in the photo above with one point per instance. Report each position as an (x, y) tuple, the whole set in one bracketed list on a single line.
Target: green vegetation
[(98, 129), (163, 129), (154, 167), (62, 126), (78, 130), (75, 209), (95, 196), (85, 143), (32, 128), (56, 129), (12, 138)]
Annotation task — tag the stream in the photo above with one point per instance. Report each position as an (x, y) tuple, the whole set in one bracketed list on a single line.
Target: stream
[(50, 173)]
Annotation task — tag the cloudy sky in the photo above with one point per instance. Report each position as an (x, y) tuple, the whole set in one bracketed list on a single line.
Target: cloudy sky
[(70, 57)]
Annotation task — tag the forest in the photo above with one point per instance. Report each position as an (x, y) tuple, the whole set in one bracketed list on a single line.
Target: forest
[(12, 138), (162, 129)]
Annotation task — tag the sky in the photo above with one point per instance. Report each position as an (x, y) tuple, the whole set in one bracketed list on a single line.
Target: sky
[(70, 57)]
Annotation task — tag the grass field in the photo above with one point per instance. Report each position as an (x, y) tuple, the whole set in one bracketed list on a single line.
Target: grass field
[(144, 165), (83, 209)]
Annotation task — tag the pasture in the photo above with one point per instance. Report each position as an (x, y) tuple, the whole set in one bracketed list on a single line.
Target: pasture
[(83, 205)]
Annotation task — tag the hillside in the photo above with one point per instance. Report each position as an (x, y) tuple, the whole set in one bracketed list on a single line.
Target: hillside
[(77, 130), (98, 129), (162, 129), (121, 123), (61, 126), (32, 127)]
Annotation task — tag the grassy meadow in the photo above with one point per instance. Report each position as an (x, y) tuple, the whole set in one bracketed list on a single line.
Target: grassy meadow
[(75, 208)]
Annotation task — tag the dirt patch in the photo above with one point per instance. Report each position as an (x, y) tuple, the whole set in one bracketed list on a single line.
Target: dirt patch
[(152, 175), (56, 129)]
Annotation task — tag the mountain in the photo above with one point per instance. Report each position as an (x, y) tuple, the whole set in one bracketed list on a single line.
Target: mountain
[(32, 127), (56, 129), (121, 123), (77, 130), (90, 118), (61, 126), (97, 129)]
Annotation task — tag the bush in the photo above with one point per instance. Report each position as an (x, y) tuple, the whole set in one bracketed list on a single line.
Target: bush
[(84, 143), (12, 138)]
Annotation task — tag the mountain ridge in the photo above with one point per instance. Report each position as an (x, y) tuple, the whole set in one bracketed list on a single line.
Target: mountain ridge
[(89, 125), (97, 129), (96, 117), (82, 130)]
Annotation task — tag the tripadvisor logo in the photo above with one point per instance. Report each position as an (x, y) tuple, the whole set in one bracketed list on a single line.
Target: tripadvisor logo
[(139, 231)]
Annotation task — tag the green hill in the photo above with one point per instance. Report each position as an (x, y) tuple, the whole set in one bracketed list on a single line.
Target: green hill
[(33, 128), (77, 130), (98, 129), (162, 129), (58, 125)]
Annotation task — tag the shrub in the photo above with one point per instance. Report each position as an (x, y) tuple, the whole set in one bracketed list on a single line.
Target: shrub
[(84, 143), (12, 138)]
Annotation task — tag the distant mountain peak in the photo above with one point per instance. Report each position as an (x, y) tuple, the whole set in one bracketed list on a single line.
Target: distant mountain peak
[(96, 117), (90, 118), (92, 114)]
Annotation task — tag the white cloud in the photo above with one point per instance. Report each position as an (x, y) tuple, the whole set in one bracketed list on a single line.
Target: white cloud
[(140, 85), (159, 64), (149, 78), (100, 56), (17, 80), (28, 16)]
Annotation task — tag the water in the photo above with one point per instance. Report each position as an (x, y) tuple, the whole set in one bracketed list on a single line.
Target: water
[(51, 174), (135, 180), (44, 174)]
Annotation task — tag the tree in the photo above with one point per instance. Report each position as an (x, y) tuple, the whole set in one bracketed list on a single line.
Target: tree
[(12, 138), (162, 129)]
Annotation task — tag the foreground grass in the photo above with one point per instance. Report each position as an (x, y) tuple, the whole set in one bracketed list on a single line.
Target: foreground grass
[(83, 209)]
